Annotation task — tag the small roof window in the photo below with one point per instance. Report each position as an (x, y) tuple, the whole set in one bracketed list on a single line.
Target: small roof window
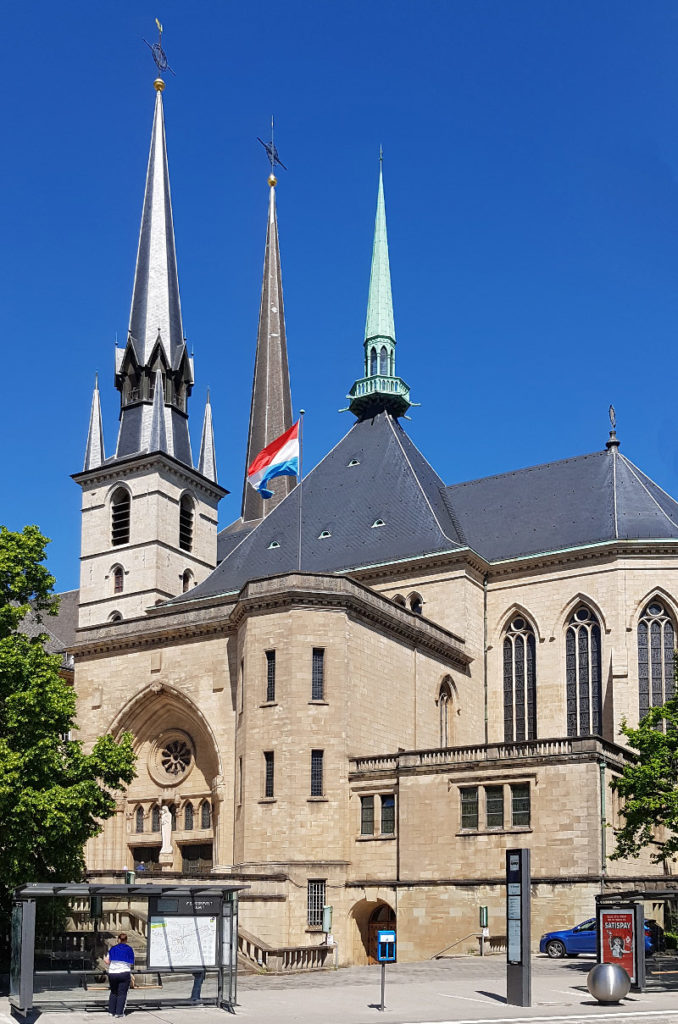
[(354, 462), (324, 534), (378, 522), (273, 544)]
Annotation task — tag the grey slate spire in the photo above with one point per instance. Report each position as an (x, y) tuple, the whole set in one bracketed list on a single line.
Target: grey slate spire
[(271, 409), (207, 464), (94, 451), (157, 440), (156, 339)]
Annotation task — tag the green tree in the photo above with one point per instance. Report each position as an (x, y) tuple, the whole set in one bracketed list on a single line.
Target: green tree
[(53, 795), (648, 786)]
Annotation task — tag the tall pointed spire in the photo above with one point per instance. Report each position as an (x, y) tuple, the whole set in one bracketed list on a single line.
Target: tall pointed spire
[(379, 389), (94, 450), (379, 321), (271, 409), (207, 464), (156, 338)]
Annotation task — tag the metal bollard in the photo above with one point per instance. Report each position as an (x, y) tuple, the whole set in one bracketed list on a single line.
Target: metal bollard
[(608, 983)]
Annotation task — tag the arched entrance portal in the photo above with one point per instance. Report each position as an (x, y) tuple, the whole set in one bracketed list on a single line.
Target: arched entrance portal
[(380, 918)]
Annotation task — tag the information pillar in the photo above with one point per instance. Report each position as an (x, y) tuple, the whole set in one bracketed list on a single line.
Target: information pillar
[(518, 965)]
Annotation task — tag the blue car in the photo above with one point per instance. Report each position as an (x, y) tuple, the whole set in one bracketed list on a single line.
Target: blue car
[(580, 939)]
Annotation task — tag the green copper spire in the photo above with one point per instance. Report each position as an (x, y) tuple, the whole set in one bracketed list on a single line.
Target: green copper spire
[(379, 390), (379, 322)]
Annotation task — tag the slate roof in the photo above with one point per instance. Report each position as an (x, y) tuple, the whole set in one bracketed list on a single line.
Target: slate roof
[(584, 500), (389, 481), (60, 628)]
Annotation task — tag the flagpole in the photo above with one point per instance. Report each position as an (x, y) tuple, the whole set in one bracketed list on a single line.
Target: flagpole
[(302, 413)]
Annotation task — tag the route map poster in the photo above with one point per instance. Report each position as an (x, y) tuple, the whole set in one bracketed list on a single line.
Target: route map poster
[(182, 942), (616, 935)]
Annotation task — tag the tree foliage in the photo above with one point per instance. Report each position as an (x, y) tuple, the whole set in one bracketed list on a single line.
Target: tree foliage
[(53, 795), (648, 787)]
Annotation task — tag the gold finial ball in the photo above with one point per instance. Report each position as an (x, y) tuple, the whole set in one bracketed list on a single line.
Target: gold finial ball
[(272, 180), (159, 84)]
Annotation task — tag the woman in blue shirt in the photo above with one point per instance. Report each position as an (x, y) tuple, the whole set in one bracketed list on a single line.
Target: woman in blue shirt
[(120, 961)]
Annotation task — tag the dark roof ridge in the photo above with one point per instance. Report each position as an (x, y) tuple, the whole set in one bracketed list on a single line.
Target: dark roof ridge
[(419, 484), (527, 469), (636, 470)]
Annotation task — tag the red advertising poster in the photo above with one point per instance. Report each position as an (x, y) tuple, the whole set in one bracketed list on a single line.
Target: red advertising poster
[(617, 939)]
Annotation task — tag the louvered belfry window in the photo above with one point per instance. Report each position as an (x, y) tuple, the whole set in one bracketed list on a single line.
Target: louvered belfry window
[(583, 673), (520, 682), (656, 645), (120, 517), (186, 523)]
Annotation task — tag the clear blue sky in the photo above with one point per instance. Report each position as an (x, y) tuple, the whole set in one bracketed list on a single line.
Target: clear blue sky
[(530, 162)]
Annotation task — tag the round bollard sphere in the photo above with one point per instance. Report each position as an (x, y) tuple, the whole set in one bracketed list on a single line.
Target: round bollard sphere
[(608, 983)]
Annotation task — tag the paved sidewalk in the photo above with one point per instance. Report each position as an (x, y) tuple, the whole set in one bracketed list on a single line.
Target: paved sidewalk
[(460, 989)]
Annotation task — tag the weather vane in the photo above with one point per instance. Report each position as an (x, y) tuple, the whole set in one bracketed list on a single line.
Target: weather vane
[(159, 55), (613, 418), (272, 152)]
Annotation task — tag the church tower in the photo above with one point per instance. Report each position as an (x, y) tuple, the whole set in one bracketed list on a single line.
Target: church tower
[(379, 389), (271, 409), (149, 517)]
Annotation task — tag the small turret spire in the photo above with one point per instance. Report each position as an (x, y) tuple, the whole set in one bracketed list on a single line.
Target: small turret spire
[(380, 389), (94, 450), (157, 441), (207, 464), (271, 409)]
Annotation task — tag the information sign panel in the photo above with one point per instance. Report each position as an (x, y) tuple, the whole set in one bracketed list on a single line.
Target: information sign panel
[(182, 942), (616, 937)]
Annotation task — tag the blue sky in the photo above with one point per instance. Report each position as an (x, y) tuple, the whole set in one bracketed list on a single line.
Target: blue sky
[(530, 164)]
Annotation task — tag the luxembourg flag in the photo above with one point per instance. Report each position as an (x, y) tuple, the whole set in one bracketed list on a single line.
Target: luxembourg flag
[(279, 458)]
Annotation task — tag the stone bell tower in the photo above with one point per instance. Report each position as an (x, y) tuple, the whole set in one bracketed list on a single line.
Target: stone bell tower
[(149, 516)]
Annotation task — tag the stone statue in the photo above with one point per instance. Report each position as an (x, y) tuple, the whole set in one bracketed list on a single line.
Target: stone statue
[(166, 829)]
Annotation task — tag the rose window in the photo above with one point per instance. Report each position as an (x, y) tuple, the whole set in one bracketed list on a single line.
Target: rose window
[(175, 757)]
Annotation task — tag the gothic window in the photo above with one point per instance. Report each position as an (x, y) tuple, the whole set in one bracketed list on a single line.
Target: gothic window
[(186, 508), (373, 362), (520, 682), (205, 815), (444, 701), (583, 664), (118, 580), (186, 579), (392, 362), (139, 819), (155, 819), (120, 517), (383, 361), (656, 644), (188, 817)]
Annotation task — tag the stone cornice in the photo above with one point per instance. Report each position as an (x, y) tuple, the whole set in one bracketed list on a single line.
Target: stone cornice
[(120, 469), (222, 615), (320, 591)]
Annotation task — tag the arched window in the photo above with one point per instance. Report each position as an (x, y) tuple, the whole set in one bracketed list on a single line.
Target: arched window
[(186, 523), (120, 517), (155, 819), (118, 580), (139, 819), (392, 362), (583, 671), (186, 580), (373, 362), (205, 815), (444, 706), (188, 817), (656, 644), (383, 360), (520, 682), (399, 599), (416, 604), (115, 617)]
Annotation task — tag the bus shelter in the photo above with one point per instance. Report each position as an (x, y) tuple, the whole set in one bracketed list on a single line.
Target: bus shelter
[(185, 939), (637, 929)]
